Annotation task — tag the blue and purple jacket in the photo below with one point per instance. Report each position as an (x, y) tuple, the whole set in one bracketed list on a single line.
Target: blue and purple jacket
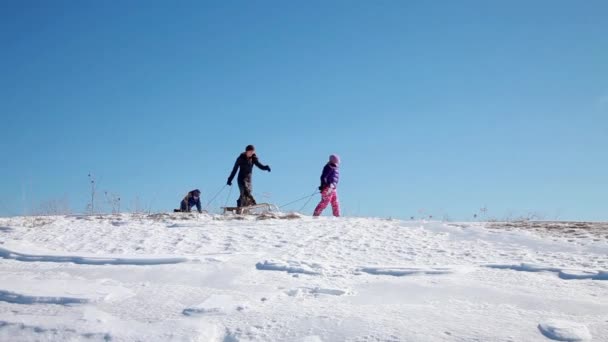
[(330, 176)]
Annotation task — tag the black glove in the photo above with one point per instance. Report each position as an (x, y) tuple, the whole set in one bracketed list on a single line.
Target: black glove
[(229, 183), (321, 188), (268, 168)]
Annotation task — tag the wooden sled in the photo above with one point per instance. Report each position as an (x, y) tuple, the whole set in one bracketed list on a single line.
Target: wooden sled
[(251, 210)]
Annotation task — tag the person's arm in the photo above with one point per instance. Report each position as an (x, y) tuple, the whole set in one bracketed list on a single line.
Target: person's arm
[(261, 166), (198, 205), (324, 177), (333, 178), (234, 170)]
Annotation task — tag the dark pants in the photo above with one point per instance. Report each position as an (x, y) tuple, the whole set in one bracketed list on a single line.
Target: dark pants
[(246, 199), (185, 208)]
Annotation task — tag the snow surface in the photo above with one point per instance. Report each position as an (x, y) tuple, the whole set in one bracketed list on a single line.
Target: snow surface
[(287, 277)]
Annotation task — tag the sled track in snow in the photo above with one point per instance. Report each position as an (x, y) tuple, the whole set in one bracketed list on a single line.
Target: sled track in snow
[(562, 273), (289, 267), (12, 329), (16, 298), (405, 271), (8, 254)]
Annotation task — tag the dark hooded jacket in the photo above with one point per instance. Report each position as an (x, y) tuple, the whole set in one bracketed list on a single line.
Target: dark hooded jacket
[(245, 167)]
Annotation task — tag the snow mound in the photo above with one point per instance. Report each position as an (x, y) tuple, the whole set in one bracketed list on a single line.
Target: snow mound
[(8, 254), (564, 331), (237, 278)]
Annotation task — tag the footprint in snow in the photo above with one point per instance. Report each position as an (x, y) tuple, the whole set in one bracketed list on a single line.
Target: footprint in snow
[(215, 305), (405, 271), (315, 292)]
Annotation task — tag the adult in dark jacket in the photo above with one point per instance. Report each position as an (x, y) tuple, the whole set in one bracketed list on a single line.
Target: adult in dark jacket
[(244, 164), (193, 198)]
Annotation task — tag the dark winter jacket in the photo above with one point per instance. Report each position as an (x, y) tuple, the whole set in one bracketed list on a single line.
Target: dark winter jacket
[(190, 201), (245, 167), (330, 176)]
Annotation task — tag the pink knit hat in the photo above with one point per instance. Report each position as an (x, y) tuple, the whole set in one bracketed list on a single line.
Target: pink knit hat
[(334, 158)]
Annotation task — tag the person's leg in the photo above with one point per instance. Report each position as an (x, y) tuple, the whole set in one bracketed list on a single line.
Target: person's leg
[(335, 204), (241, 202), (184, 206), (249, 193), (325, 199)]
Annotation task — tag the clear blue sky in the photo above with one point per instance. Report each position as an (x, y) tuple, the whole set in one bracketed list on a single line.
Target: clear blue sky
[(444, 106)]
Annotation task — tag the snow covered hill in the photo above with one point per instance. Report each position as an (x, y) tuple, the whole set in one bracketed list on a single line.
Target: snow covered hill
[(187, 277)]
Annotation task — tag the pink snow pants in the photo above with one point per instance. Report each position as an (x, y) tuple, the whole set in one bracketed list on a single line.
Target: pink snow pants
[(329, 195)]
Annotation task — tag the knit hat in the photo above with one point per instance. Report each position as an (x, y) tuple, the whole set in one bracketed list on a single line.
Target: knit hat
[(334, 158), (249, 148)]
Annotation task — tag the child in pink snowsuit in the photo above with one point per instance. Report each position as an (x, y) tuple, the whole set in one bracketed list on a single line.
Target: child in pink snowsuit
[(329, 187)]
